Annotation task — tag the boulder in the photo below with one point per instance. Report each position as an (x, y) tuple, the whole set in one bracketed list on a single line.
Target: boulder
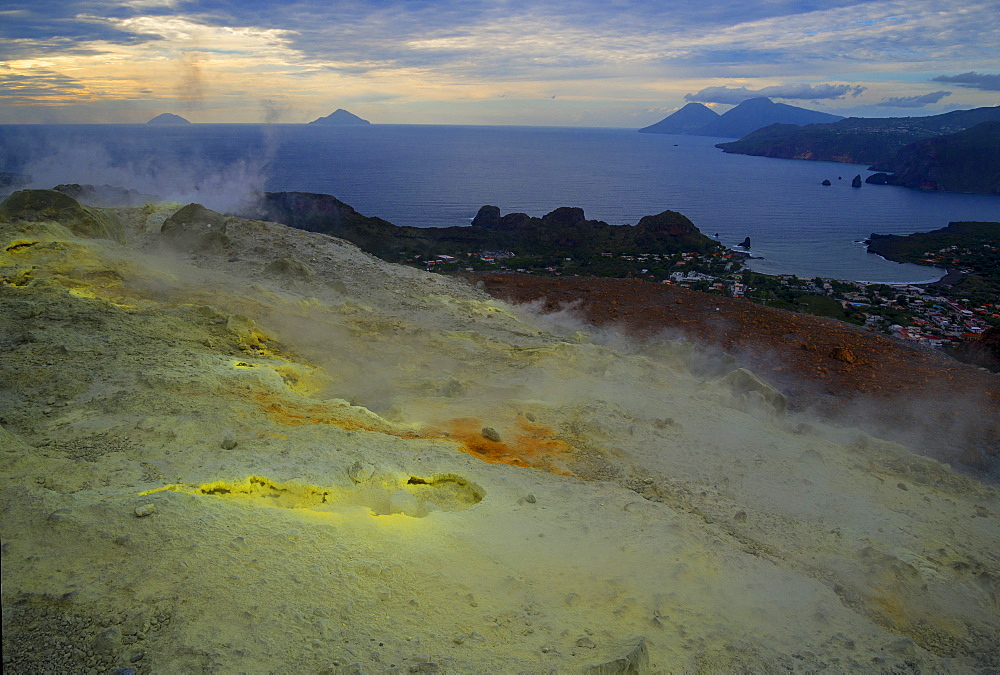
[(843, 354), (51, 206), (194, 228), (290, 267), (635, 660), (826, 182), (752, 393), (745, 243), (488, 217), (857, 181)]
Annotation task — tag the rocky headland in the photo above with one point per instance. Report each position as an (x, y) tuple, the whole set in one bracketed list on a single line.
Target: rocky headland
[(564, 231), (966, 161), (856, 140)]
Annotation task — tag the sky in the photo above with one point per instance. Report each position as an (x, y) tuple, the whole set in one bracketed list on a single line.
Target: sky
[(598, 63)]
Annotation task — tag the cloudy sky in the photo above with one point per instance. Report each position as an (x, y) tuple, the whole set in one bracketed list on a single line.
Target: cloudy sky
[(621, 63)]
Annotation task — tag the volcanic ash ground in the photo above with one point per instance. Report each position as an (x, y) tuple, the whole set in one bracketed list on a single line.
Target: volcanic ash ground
[(231, 446)]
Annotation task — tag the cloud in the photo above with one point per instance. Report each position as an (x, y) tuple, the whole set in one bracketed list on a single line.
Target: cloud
[(38, 87), (224, 57), (973, 80), (913, 101), (735, 95)]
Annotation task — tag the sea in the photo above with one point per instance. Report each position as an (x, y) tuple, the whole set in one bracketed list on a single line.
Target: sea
[(429, 176)]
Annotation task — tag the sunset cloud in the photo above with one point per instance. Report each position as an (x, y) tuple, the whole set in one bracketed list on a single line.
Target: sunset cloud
[(383, 56)]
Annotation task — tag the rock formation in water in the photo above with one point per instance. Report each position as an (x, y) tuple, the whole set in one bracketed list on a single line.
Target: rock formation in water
[(272, 456)]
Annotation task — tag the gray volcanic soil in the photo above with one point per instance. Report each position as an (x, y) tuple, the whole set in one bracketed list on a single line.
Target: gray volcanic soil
[(237, 447)]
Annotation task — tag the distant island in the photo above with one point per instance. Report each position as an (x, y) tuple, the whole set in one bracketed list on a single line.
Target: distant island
[(696, 119), (340, 116), (168, 118), (966, 161)]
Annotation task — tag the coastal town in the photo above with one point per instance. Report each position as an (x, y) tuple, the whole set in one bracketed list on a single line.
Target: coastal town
[(934, 314)]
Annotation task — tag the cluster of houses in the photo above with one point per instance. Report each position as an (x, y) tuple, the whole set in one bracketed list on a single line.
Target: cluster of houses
[(931, 319)]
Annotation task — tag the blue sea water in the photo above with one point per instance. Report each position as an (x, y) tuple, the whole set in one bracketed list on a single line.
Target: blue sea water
[(440, 175)]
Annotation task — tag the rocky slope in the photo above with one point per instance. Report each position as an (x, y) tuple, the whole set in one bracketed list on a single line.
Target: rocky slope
[(966, 161), (232, 446), (830, 369)]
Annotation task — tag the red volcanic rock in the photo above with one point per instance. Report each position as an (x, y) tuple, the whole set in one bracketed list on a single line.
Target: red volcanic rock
[(822, 365)]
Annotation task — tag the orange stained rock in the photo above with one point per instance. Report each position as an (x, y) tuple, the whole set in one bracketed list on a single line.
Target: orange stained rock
[(341, 416), (530, 446)]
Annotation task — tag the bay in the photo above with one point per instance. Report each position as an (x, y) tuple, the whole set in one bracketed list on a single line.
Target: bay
[(429, 176)]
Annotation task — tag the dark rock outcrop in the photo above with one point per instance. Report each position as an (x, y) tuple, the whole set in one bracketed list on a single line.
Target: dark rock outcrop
[(562, 232), (856, 182), (826, 181), (488, 217), (564, 216), (49, 205), (879, 178), (194, 229)]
